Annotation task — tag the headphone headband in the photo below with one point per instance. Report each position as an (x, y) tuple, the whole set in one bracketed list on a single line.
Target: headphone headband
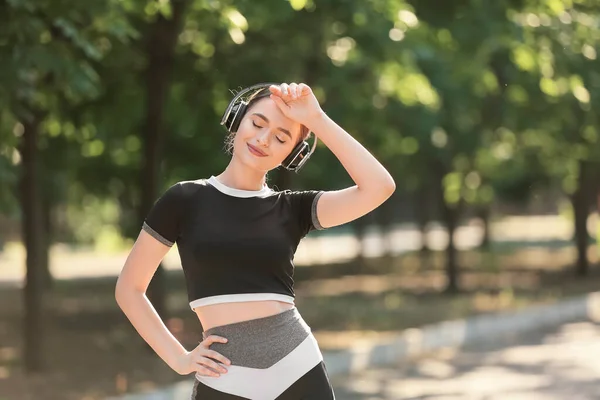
[(257, 88)]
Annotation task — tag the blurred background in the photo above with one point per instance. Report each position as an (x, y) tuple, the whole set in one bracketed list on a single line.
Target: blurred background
[(485, 112)]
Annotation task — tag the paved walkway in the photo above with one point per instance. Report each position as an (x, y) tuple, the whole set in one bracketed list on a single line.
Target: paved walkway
[(562, 363)]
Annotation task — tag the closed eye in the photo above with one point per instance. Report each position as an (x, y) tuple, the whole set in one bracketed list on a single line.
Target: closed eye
[(259, 127)]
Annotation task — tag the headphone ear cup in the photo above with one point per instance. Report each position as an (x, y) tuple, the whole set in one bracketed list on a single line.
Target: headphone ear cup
[(237, 113), (228, 122), (293, 159)]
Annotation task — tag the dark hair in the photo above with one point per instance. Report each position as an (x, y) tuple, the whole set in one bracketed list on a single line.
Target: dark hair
[(264, 93)]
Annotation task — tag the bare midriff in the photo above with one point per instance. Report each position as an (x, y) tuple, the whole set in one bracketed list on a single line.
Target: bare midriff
[(229, 313)]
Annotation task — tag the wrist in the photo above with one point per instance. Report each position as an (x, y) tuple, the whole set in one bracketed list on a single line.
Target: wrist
[(179, 363), (316, 121)]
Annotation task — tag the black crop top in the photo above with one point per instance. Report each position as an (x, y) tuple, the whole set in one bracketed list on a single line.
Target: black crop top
[(235, 245)]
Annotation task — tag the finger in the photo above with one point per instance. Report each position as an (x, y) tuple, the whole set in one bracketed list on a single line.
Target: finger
[(213, 339), (294, 90), (211, 364), (206, 372), (284, 89), (280, 104), (276, 90), (217, 356), (303, 90)]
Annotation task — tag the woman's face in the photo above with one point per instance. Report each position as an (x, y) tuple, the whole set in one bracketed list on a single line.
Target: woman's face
[(265, 136)]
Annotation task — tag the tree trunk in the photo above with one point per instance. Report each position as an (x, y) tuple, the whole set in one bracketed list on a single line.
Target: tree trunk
[(46, 240), (160, 47), (484, 213), (450, 214), (598, 219), (422, 213), (32, 236), (581, 208), (385, 219), (360, 230)]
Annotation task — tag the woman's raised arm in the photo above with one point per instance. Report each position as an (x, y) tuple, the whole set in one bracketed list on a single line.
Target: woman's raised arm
[(374, 184)]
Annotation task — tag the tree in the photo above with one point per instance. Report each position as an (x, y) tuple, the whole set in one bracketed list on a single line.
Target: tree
[(160, 43), (559, 52), (48, 56)]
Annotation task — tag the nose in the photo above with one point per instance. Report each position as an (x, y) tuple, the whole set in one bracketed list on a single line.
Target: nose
[(263, 137)]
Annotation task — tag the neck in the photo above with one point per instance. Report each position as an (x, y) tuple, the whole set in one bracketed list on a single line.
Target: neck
[(239, 176)]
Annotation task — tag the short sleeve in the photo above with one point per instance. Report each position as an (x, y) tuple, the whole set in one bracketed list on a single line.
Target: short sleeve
[(304, 206), (163, 220)]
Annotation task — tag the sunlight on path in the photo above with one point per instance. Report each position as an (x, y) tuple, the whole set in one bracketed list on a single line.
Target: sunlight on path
[(551, 365)]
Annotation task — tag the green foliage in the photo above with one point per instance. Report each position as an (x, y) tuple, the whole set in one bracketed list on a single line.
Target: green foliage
[(490, 99)]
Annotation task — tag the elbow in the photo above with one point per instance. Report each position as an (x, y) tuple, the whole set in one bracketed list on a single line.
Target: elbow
[(392, 186), (381, 189), (126, 289), (388, 187), (119, 289), (123, 292)]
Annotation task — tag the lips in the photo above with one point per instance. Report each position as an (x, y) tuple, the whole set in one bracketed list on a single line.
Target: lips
[(256, 151)]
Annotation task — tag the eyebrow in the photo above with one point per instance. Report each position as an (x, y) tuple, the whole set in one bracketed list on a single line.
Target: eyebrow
[(267, 121)]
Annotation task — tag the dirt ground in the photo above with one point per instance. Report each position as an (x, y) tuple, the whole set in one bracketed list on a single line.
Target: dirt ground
[(91, 351)]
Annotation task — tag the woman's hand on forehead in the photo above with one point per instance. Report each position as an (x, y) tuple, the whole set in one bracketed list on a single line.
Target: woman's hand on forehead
[(296, 101)]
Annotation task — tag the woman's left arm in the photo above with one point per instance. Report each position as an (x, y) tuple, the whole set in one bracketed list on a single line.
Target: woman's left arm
[(374, 184)]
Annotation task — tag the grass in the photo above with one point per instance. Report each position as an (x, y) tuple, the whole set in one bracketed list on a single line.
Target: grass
[(92, 351)]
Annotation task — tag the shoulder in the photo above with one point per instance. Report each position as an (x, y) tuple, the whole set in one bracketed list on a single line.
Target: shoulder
[(191, 187), (303, 205), (180, 192)]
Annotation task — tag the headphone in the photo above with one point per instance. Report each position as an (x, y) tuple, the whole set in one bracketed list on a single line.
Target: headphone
[(236, 110)]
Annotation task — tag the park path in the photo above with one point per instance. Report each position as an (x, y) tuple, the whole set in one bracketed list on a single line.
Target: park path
[(559, 363)]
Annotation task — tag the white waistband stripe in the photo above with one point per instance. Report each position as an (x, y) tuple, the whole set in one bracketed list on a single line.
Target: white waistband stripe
[(267, 384), (241, 297)]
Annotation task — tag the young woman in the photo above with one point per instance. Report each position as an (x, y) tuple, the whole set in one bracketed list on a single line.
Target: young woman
[(237, 237)]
